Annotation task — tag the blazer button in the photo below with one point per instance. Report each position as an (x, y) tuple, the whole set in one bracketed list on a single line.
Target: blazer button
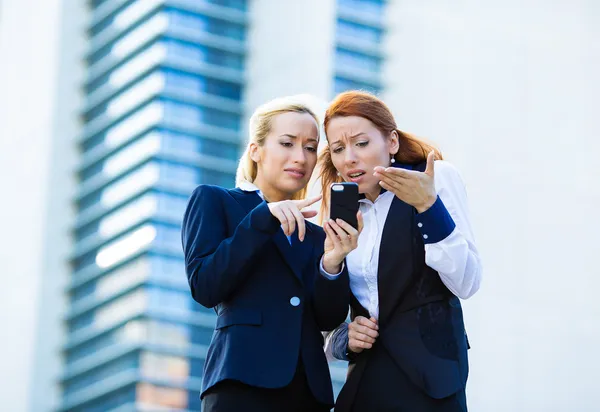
[(295, 301)]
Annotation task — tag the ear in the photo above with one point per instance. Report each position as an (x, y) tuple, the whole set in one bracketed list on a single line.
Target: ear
[(254, 153), (394, 142)]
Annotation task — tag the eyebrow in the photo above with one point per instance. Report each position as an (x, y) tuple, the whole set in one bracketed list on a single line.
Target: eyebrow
[(291, 136), (350, 138)]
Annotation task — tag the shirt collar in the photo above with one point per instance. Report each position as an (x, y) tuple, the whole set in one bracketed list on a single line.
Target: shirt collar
[(247, 186)]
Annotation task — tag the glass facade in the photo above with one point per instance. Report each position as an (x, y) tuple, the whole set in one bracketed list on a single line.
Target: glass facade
[(358, 52), (358, 57), (162, 114)]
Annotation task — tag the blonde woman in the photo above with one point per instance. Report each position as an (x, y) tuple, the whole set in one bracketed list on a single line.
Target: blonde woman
[(274, 279)]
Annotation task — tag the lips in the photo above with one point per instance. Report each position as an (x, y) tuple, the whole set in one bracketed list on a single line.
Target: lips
[(297, 173), (355, 175)]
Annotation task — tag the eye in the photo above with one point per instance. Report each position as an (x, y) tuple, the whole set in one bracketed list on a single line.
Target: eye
[(311, 149), (362, 144), (338, 149), (287, 144)]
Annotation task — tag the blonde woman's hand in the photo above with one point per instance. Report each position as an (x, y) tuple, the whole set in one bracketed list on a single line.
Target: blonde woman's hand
[(291, 215)]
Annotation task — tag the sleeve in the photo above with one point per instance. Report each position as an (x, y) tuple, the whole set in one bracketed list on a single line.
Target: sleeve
[(216, 264), (331, 295), (336, 343), (446, 229)]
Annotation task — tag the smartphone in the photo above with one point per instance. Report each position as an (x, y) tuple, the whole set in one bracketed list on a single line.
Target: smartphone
[(344, 202)]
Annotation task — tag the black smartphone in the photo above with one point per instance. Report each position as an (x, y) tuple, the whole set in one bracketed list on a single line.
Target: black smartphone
[(344, 202)]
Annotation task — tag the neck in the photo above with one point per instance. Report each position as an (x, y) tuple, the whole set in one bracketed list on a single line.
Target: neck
[(269, 192), (372, 195)]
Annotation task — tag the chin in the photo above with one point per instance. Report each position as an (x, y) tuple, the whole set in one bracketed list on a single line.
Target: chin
[(293, 187)]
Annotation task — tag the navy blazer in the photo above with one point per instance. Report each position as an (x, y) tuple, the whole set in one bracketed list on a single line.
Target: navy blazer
[(270, 298)]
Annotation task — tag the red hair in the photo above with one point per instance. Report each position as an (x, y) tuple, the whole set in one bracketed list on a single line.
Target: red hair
[(357, 103)]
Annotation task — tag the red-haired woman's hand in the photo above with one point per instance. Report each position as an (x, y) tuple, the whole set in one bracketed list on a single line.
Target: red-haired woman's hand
[(412, 187)]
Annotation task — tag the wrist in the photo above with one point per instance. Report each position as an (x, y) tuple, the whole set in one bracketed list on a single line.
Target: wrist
[(425, 206), (331, 265)]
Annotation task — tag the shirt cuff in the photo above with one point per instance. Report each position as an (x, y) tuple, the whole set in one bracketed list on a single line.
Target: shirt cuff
[(329, 275), (435, 223)]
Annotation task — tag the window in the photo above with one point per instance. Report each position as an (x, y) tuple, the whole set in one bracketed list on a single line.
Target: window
[(131, 184), (194, 116), (182, 143), (350, 59), (356, 31), (341, 85), (155, 395), (139, 64), (96, 375), (195, 53), (135, 95), (174, 335), (171, 206), (133, 125), (176, 174), (196, 86), (114, 282), (131, 155), (134, 331), (203, 24), (172, 368), (127, 216), (125, 246), (120, 309), (373, 8)]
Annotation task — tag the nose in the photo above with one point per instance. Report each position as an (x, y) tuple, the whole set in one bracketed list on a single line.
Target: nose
[(299, 155), (350, 157)]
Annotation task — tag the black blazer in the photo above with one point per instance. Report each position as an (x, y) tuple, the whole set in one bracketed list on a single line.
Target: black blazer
[(270, 298), (420, 320)]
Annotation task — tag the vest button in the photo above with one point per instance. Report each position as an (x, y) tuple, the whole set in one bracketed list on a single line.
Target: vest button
[(295, 301)]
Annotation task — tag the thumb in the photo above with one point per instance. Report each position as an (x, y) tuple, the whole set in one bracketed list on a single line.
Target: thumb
[(430, 162)]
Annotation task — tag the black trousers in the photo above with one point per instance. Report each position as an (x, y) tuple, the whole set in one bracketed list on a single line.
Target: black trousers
[(234, 396), (384, 387)]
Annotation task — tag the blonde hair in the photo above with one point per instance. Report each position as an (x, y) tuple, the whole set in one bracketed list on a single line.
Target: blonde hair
[(260, 126)]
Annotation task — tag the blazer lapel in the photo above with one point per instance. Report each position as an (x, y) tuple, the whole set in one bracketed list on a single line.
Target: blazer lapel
[(293, 256), (395, 257)]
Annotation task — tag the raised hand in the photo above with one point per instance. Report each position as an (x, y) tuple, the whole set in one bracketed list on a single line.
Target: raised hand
[(412, 187)]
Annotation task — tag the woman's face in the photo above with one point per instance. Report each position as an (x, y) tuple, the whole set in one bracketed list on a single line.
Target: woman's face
[(288, 156), (357, 147)]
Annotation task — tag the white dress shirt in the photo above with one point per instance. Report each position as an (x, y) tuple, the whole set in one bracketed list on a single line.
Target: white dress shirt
[(453, 255)]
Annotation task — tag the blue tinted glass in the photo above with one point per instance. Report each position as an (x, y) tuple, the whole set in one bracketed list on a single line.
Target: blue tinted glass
[(182, 143), (372, 7), (160, 298), (194, 116), (168, 236), (341, 85), (196, 85), (173, 173), (99, 374), (116, 399), (203, 24), (351, 59), (353, 30), (205, 54), (171, 206)]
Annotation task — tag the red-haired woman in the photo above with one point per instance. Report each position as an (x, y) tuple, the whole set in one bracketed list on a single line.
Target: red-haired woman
[(416, 257)]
